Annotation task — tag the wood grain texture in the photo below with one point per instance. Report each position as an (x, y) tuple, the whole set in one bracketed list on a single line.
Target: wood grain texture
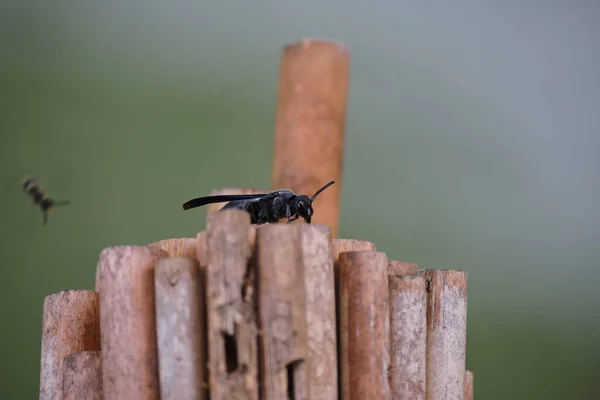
[(70, 323), (446, 333), (180, 338), (364, 325), (232, 319), (310, 123), (125, 281), (408, 336), (322, 372), (282, 311), (82, 376), (178, 247), (402, 268)]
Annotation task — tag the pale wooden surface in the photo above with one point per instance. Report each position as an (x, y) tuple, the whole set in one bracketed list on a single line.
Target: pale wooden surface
[(402, 268), (178, 247), (179, 334), (125, 281), (446, 333), (282, 310), (408, 336), (232, 335), (310, 124), (82, 376), (70, 323), (319, 283)]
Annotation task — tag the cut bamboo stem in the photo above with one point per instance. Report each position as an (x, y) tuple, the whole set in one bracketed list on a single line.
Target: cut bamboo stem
[(402, 268), (468, 385), (408, 336), (364, 325), (179, 334), (178, 247), (282, 312), (310, 123), (232, 320), (71, 323), (446, 333), (320, 310), (82, 376), (125, 281), (340, 246)]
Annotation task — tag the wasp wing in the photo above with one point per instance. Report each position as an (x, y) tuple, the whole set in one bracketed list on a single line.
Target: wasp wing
[(202, 201)]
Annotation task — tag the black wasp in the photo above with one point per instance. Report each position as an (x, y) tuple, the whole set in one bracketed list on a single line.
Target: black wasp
[(266, 207), (40, 197)]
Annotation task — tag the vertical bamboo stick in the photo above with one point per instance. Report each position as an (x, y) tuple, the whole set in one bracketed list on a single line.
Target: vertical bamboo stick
[(310, 123), (178, 247), (402, 268), (71, 323), (365, 325), (446, 334), (125, 281), (320, 310), (282, 312), (232, 321), (340, 246), (468, 385), (179, 334), (82, 376), (408, 336)]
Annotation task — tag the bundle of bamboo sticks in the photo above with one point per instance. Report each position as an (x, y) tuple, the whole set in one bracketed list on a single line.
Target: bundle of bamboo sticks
[(280, 311)]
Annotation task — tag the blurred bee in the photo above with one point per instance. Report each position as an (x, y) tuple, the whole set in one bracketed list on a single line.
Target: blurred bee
[(40, 197)]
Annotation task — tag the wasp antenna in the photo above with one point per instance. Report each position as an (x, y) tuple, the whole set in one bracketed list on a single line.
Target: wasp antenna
[(320, 190)]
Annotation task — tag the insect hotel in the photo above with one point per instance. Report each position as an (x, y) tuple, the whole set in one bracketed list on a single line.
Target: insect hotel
[(271, 311)]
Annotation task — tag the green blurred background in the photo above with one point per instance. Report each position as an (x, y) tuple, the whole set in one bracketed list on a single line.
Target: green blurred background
[(472, 143)]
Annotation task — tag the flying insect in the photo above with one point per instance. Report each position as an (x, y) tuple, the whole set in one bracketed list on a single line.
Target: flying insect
[(265, 207), (40, 197)]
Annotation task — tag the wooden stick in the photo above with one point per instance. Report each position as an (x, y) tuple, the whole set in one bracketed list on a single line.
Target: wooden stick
[(310, 123), (468, 385), (322, 373), (364, 325), (408, 336), (223, 191), (82, 376), (179, 334), (178, 247), (232, 321), (201, 252), (125, 280), (446, 333), (282, 312), (71, 323), (338, 247), (402, 268)]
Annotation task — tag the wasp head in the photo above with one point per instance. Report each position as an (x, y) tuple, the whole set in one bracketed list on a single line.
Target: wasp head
[(303, 206)]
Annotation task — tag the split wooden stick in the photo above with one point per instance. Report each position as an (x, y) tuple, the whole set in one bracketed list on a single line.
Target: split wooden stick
[(310, 123), (408, 336), (402, 268), (179, 335), (320, 310), (71, 323), (232, 320), (446, 333), (82, 376), (364, 325), (125, 281), (178, 247), (282, 312)]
